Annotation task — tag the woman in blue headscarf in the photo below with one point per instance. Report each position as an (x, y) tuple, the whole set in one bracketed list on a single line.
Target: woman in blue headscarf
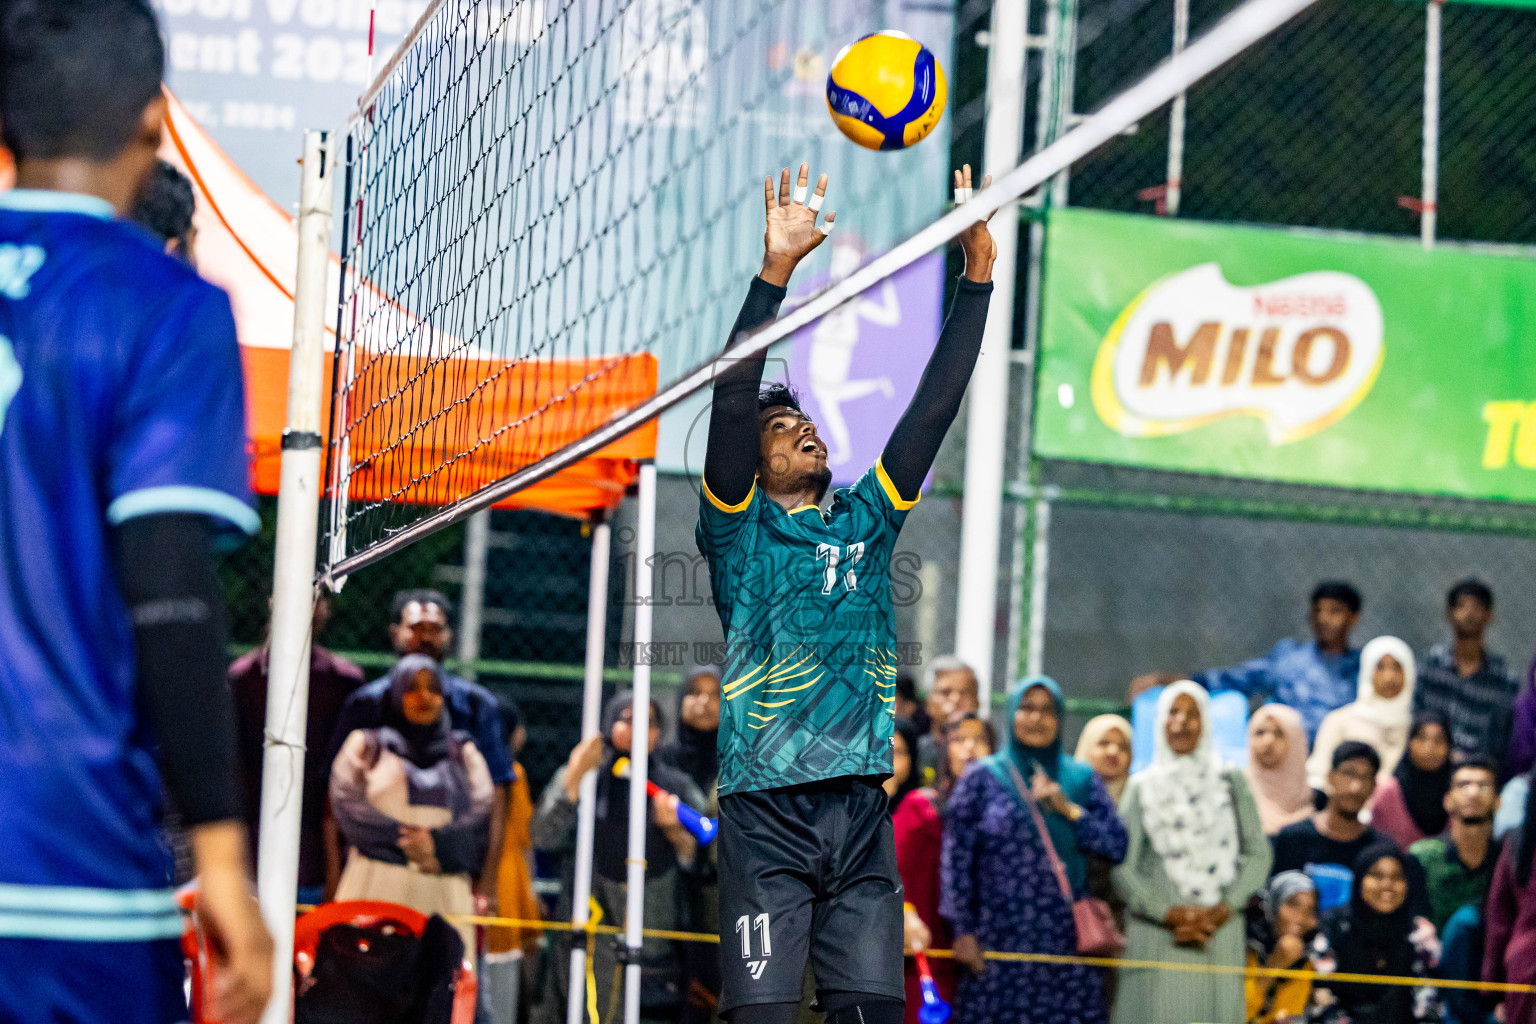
[(1000, 886)]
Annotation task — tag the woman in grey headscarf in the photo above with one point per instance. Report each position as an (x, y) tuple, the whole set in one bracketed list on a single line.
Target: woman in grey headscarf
[(412, 799), (1280, 929)]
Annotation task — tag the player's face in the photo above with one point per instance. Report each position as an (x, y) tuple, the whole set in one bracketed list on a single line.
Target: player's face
[(422, 629), (793, 457), (1385, 886), (1035, 723), (701, 707), (1111, 756), (1269, 744), (1472, 797), (1429, 747), (1183, 728), (423, 699)]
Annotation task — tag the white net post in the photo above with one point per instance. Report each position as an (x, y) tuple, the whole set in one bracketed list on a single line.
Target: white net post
[(586, 812), (639, 746), (298, 512), (986, 424), (1174, 185)]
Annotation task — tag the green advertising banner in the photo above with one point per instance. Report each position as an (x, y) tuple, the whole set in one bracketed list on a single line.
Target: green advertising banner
[(1287, 355)]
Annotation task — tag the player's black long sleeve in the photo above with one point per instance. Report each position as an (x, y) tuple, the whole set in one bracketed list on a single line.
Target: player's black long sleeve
[(165, 567), (730, 460), (915, 440)]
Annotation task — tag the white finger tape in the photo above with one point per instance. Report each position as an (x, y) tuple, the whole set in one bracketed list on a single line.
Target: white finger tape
[(800, 193), (826, 229), (815, 203), (962, 195)]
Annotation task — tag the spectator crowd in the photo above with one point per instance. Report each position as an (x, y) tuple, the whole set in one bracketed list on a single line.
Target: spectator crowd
[(1379, 825)]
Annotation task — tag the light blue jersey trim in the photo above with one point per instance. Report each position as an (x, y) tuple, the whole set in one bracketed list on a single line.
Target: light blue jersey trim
[(74, 899), (154, 500), (92, 915), (36, 200), (89, 929)]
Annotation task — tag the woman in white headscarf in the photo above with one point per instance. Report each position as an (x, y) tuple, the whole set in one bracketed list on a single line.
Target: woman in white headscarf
[(1197, 852), (1380, 715)]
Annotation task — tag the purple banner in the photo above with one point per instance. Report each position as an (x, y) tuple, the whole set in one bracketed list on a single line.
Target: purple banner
[(856, 368)]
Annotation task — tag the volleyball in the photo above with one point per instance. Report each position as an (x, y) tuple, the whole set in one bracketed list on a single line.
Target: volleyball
[(886, 91)]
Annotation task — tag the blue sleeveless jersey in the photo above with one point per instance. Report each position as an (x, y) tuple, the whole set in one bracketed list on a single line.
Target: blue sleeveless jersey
[(120, 396)]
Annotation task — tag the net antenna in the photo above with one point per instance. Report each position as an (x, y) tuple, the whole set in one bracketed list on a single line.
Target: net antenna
[(486, 343)]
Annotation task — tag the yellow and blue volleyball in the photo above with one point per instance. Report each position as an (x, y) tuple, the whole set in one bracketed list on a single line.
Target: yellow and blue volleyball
[(886, 91)]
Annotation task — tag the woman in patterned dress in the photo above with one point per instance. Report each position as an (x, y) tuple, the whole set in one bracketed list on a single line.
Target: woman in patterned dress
[(1197, 852), (1000, 890)]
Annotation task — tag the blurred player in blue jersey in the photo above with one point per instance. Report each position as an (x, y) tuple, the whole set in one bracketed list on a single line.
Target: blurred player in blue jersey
[(122, 457)]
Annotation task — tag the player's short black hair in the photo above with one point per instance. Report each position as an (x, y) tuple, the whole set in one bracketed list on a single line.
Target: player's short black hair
[(165, 204), (76, 75), (419, 595), (776, 394), (1337, 590), (906, 687), (1473, 588), (1354, 750)]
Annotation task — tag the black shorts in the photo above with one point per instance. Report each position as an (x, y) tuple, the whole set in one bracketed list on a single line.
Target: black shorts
[(808, 872)]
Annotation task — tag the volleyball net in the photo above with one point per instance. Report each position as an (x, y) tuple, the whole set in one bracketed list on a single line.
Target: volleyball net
[(551, 211)]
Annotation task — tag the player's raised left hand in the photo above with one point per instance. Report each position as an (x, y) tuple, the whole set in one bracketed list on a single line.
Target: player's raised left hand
[(977, 241), (791, 232)]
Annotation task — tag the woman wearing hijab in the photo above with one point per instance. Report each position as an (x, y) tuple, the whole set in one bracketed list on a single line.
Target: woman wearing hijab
[(695, 751), (1280, 930), (1411, 804), (1509, 947), (412, 798), (1001, 890), (670, 852), (1277, 766), (1197, 852), (1376, 933), (1380, 714), (1105, 746), (919, 837)]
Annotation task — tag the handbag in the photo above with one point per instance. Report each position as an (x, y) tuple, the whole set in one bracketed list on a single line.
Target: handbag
[(1096, 931)]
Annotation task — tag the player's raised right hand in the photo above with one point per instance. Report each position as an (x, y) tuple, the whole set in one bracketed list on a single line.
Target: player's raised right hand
[(791, 233)]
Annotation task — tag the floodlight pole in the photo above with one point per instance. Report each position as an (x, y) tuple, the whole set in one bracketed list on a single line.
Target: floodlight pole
[(986, 424), (586, 812), (639, 744), (1431, 183), (293, 580)]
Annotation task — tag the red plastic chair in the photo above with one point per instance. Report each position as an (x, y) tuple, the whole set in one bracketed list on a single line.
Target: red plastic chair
[(306, 937)]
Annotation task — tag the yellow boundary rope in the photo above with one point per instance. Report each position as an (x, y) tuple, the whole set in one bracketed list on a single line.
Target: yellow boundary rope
[(1043, 958)]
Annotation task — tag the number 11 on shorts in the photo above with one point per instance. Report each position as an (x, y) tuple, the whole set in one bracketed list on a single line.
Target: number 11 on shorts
[(745, 925)]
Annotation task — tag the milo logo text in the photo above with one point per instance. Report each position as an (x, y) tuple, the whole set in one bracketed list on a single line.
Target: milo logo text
[(1296, 354)]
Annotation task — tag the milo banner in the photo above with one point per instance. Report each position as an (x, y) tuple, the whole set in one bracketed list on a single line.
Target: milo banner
[(1287, 355)]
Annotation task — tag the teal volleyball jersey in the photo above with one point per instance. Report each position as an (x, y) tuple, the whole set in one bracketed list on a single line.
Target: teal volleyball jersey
[(804, 597)]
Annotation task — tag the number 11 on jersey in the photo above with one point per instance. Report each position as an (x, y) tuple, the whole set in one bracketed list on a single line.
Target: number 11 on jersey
[(745, 925)]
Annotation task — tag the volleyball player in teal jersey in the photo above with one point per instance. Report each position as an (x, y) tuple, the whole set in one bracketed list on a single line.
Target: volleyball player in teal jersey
[(807, 858)]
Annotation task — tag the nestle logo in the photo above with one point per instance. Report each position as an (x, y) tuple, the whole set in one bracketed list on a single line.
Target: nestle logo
[(1282, 304)]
